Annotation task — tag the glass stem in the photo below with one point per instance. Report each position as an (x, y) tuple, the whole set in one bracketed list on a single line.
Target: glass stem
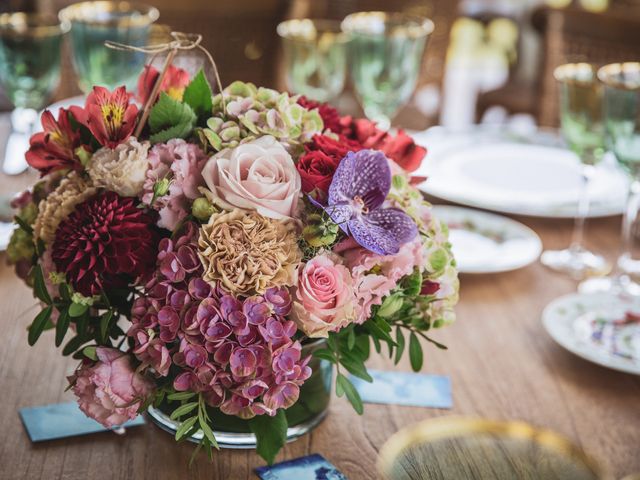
[(583, 209), (629, 219)]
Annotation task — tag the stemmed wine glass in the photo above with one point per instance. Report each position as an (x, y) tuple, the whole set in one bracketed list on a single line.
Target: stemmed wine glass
[(583, 129), (93, 23), (316, 55), (622, 122), (386, 52), (29, 72)]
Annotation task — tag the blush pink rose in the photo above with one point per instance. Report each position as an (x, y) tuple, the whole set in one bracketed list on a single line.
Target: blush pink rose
[(324, 296), (258, 175), (110, 391)]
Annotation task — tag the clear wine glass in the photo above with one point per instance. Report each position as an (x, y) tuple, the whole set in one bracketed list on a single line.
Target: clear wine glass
[(622, 122), (29, 72), (386, 52), (93, 23), (583, 129), (315, 52)]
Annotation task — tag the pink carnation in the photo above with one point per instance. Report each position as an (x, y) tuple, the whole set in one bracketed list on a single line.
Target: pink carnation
[(324, 297), (180, 163), (110, 391)]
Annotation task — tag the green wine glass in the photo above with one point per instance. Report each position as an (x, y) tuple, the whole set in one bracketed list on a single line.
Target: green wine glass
[(583, 129), (622, 122), (29, 72), (315, 53), (386, 51), (93, 23)]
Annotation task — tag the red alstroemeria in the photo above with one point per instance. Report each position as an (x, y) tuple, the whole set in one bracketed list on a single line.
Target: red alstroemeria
[(110, 116), (173, 84), (55, 148)]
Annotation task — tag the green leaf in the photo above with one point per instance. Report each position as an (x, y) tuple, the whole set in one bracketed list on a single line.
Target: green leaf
[(183, 410), (325, 354), (105, 320), (90, 352), (377, 328), (415, 352), (62, 326), (206, 429), (23, 225), (181, 130), (185, 427), (271, 434), (74, 344), (77, 309), (180, 396), (38, 324), (198, 96), (39, 287), (351, 339), (400, 343), (353, 396), (355, 367), (65, 292), (168, 112)]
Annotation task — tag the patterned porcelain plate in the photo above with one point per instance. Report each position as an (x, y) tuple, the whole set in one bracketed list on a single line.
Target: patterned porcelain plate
[(529, 174), (601, 328), (487, 243)]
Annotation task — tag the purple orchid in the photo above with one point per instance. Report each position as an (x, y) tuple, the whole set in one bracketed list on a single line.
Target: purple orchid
[(358, 190)]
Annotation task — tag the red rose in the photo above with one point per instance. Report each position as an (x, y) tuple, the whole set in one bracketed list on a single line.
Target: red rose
[(316, 170), (401, 148), (332, 147)]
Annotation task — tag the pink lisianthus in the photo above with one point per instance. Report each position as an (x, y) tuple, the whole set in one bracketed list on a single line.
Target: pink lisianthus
[(180, 164), (370, 290), (325, 299), (110, 391), (258, 175)]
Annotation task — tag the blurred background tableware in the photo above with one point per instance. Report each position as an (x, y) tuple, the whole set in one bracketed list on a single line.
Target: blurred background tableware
[(29, 72), (315, 54), (603, 328), (622, 121), (386, 51), (456, 447), (582, 127), (487, 243), (93, 23), (521, 172)]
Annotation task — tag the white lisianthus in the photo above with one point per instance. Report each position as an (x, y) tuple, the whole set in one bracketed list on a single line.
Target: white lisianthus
[(122, 169)]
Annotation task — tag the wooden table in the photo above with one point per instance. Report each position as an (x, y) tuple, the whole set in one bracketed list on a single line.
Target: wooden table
[(502, 365)]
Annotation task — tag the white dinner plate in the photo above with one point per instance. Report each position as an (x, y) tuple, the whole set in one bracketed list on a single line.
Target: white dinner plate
[(524, 175), (487, 243), (571, 321)]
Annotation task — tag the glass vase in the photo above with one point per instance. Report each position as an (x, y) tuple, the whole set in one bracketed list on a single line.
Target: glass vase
[(302, 417)]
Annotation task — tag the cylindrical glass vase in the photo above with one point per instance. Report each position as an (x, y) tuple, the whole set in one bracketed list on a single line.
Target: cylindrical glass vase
[(303, 416)]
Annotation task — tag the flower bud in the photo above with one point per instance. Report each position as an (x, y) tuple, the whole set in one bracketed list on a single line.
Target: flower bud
[(319, 232), (161, 187), (390, 306), (202, 209)]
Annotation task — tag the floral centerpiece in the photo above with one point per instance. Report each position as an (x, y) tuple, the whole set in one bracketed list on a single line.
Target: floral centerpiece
[(207, 263)]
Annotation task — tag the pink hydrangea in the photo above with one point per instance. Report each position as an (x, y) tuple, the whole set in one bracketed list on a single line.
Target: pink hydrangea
[(181, 164), (238, 352), (110, 390)]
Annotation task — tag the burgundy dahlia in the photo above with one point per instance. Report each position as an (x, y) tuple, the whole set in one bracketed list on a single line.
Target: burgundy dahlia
[(106, 242)]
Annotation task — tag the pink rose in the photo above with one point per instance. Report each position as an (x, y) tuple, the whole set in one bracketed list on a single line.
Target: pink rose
[(110, 391), (325, 299), (258, 175)]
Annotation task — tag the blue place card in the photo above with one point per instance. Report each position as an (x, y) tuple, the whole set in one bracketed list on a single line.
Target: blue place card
[(311, 467), (400, 388), (60, 420)]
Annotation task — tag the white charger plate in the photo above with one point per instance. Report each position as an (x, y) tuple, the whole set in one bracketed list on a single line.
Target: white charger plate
[(529, 174), (487, 243), (565, 320)]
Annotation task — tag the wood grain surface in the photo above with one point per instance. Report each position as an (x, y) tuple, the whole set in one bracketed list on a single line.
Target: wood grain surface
[(502, 365)]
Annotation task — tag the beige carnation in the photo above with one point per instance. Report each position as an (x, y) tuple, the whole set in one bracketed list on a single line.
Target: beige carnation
[(247, 252), (122, 169), (59, 204)]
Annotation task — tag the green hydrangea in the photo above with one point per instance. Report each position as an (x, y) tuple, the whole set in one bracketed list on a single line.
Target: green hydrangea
[(252, 112)]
